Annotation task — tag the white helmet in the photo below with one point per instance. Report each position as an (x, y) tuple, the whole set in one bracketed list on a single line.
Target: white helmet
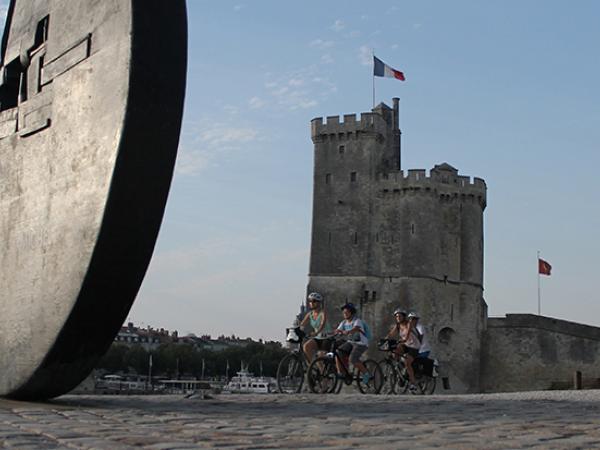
[(413, 314), (315, 296)]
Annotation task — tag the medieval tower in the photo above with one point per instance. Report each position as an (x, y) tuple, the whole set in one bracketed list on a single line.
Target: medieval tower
[(384, 238)]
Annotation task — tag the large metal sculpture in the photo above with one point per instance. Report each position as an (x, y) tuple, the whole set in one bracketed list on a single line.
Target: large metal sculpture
[(91, 100)]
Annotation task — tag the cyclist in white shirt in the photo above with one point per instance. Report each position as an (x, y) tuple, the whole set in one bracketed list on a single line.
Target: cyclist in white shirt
[(357, 343), (424, 349)]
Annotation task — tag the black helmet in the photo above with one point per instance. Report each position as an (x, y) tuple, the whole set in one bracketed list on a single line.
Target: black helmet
[(349, 306)]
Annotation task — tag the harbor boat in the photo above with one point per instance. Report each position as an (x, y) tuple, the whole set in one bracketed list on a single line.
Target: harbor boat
[(245, 383)]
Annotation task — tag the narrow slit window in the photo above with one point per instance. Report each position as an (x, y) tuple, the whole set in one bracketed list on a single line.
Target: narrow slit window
[(353, 176), (327, 178), (356, 238), (374, 296), (342, 149), (366, 296), (412, 228), (329, 237)]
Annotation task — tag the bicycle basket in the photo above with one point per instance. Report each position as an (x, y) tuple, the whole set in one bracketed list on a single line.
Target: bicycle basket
[(294, 335)]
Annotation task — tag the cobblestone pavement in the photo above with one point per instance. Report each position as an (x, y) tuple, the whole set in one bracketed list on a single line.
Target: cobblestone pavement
[(558, 419)]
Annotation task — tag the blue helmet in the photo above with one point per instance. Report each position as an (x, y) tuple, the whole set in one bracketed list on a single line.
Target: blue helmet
[(349, 306)]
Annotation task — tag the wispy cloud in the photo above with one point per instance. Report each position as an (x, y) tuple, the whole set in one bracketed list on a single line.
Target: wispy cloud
[(256, 103), (395, 47), (238, 8), (321, 44), (416, 26), (353, 34), (3, 12), (327, 59), (301, 89), (338, 25), (365, 55), (209, 142)]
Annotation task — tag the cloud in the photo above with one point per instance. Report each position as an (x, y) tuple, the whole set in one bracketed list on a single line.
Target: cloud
[(321, 44), (353, 34), (301, 88), (365, 55), (395, 47), (338, 25), (3, 12), (208, 143), (296, 82), (416, 26), (256, 103), (238, 8), (327, 59)]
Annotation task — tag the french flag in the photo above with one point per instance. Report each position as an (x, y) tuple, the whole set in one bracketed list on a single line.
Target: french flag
[(381, 69)]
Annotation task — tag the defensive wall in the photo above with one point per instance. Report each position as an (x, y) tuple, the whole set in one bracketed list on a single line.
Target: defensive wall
[(523, 352)]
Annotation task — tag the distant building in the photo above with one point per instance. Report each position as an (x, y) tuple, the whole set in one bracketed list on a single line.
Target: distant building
[(150, 339)]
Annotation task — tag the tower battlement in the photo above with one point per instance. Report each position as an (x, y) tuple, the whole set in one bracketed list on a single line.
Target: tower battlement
[(372, 122), (442, 179)]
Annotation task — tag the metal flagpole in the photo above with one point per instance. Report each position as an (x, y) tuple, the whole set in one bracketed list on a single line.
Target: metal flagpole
[(373, 74), (539, 290)]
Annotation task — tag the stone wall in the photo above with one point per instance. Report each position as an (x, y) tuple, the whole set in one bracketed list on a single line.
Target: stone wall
[(527, 352)]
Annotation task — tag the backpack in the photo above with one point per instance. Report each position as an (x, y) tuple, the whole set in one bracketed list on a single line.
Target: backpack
[(366, 330)]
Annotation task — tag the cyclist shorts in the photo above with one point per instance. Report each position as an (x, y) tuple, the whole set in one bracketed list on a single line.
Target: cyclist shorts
[(354, 350), (323, 344), (414, 352)]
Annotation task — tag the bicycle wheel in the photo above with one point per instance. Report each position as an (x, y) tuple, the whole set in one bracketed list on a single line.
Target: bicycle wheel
[(375, 383), (290, 374), (321, 376), (426, 385), (389, 377), (402, 381)]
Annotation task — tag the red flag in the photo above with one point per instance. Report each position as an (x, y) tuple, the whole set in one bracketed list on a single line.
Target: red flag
[(544, 267)]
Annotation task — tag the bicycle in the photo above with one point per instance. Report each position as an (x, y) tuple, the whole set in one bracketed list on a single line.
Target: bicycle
[(396, 379), (323, 376), (292, 367)]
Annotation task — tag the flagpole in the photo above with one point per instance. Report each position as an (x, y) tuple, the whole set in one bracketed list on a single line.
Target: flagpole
[(373, 75), (539, 290)]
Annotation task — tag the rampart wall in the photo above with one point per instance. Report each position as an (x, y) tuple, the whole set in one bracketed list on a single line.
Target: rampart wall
[(523, 352)]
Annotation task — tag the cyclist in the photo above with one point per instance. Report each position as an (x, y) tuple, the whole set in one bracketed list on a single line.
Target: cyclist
[(357, 344), (424, 349), (317, 318), (407, 336)]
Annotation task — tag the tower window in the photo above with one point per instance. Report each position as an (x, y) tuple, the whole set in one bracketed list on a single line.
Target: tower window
[(412, 228), (353, 176), (374, 296), (366, 296), (327, 178), (356, 238), (342, 149), (329, 238)]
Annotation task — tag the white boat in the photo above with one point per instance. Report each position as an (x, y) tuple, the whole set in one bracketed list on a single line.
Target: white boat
[(245, 383)]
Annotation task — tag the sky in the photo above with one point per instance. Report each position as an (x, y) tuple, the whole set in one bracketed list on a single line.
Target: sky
[(505, 91)]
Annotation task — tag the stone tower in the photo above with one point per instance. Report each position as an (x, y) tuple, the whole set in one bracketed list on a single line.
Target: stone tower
[(383, 238)]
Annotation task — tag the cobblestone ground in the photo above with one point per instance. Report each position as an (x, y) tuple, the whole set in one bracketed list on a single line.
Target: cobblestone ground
[(565, 419)]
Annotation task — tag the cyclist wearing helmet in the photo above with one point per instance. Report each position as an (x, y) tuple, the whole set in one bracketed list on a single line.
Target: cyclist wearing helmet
[(399, 317), (424, 349), (317, 318), (405, 333), (357, 344)]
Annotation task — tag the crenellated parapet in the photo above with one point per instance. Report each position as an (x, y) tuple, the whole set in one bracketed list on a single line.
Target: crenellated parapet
[(443, 181), (333, 126)]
